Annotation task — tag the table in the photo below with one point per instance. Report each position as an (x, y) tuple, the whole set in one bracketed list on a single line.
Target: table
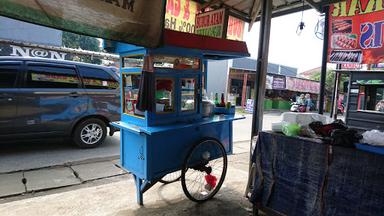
[(302, 176)]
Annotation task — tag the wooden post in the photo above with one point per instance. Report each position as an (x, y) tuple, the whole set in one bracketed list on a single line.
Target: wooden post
[(244, 91)]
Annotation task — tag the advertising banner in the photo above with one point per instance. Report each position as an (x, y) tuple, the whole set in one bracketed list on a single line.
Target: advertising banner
[(13, 50), (131, 21), (351, 66), (356, 32), (278, 82), (301, 85), (180, 15), (210, 23), (235, 29), (249, 105)]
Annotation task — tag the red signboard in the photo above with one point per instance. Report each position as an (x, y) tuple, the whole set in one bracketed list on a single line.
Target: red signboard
[(356, 32), (301, 85), (235, 29), (210, 23)]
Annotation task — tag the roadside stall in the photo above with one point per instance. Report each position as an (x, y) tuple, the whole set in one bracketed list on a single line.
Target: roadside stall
[(336, 168), (170, 130), (166, 126), (365, 105)]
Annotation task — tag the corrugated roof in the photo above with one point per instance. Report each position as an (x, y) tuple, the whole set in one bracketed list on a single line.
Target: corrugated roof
[(249, 10)]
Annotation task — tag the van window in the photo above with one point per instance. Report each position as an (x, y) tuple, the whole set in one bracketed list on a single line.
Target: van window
[(94, 78), (8, 74), (51, 77)]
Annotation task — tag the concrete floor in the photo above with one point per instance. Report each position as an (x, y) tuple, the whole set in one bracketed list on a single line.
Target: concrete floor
[(89, 189), (118, 197)]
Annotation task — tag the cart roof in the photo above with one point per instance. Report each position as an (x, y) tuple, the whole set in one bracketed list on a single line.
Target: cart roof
[(210, 47)]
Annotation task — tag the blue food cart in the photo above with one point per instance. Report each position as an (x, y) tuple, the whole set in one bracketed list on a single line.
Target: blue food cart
[(167, 133)]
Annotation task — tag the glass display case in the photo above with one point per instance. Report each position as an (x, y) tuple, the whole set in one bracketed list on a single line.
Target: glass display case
[(176, 62), (164, 95), (131, 82), (132, 61), (188, 94)]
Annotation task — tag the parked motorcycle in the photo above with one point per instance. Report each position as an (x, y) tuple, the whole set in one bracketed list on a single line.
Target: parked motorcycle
[(296, 107), (340, 109)]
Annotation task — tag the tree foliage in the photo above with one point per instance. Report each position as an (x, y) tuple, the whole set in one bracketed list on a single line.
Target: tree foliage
[(76, 41), (329, 81)]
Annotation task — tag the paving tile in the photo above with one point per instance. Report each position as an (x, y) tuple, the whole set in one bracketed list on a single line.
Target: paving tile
[(50, 178), (98, 170), (11, 184)]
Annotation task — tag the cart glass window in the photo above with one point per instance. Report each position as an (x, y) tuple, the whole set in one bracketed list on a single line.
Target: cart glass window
[(165, 89), (188, 94), (130, 93), (176, 62), (134, 61), (371, 97)]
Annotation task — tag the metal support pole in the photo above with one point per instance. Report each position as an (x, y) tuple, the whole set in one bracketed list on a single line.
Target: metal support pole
[(261, 68), (338, 66), (336, 96), (244, 90), (324, 61)]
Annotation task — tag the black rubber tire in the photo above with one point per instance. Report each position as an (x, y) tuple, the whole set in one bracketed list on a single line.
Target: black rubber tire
[(76, 137), (184, 170)]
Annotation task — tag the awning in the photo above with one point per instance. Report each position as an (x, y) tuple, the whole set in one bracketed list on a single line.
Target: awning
[(134, 22), (249, 10)]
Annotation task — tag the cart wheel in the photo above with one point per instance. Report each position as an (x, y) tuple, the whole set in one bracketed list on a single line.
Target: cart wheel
[(171, 177), (204, 170)]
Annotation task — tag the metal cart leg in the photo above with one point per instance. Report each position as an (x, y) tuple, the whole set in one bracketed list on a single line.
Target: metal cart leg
[(139, 193), (141, 187)]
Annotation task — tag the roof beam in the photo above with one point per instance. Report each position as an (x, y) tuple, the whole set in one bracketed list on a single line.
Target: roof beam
[(314, 5), (210, 3)]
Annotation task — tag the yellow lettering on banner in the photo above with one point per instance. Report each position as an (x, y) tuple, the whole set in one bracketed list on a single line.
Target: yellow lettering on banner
[(356, 7), (339, 9), (369, 8), (379, 5), (180, 15)]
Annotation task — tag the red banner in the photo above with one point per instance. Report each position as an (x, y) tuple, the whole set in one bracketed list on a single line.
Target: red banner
[(302, 85), (356, 32), (235, 29)]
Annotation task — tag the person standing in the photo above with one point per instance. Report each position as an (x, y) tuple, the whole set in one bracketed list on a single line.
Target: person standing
[(308, 102), (301, 100)]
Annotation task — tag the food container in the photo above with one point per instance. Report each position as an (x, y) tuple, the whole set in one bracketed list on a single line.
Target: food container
[(207, 108)]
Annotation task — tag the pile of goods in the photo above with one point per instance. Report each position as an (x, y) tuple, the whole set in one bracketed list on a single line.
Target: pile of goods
[(336, 133)]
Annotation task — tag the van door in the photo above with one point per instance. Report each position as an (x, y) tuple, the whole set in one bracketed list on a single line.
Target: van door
[(9, 72), (52, 98), (103, 91)]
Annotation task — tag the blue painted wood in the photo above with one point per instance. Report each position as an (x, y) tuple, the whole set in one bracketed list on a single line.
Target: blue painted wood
[(152, 152), (157, 144), (370, 148)]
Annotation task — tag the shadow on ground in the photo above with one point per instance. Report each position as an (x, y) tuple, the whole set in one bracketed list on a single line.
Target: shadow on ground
[(226, 202)]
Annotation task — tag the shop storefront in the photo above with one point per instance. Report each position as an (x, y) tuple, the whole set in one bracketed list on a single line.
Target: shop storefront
[(280, 89)]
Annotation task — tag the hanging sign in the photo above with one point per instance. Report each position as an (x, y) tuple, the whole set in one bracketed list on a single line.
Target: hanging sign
[(278, 83), (301, 85), (180, 15), (235, 29), (132, 21), (210, 23), (356, 32)]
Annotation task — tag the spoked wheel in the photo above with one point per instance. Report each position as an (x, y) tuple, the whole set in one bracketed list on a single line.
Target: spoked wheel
[(204, 170), (171, 177)]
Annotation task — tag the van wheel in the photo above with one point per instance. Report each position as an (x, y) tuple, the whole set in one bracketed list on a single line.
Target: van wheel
[(90, 133)]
